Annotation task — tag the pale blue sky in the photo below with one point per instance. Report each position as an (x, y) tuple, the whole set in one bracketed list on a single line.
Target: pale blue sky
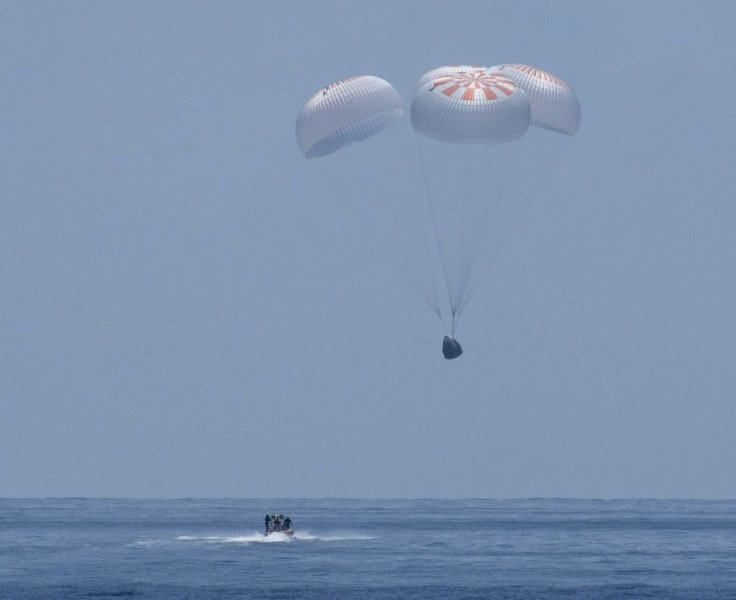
[(186, 310)]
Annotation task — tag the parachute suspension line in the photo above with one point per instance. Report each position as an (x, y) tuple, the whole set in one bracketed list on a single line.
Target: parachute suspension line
[(467, 193), (499, 193), (435, 226), (434, 305), (480, 212), (518, 218), (418, 204)]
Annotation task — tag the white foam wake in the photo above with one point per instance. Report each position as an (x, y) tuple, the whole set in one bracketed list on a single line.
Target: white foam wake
[(274, 538)]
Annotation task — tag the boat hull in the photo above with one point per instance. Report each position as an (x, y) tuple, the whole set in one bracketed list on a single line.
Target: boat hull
[(288, 532)]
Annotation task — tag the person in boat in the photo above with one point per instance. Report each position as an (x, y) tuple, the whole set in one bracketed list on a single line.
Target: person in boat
[(277, 523), (268, 523), (287, 523)]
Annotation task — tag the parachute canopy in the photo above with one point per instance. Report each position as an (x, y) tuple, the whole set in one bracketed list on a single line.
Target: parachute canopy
[(554, 103), (345, 112), (469, 105)]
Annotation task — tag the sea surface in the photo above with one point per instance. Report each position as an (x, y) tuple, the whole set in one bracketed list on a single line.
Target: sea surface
[(368, 549)]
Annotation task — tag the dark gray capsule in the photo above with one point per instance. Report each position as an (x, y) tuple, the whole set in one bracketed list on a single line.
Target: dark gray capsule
[(451, 348)]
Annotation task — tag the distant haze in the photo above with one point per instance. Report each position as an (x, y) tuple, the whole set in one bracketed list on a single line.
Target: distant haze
[(188, 308)]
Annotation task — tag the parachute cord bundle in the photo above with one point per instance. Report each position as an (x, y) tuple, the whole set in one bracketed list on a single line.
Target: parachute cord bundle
[(497, 198), (523, 203), (435, 228)]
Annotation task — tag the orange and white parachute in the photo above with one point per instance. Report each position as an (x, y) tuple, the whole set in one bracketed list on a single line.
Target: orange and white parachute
[(554, 103), (469, 106)]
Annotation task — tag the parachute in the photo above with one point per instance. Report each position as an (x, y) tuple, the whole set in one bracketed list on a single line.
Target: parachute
[(469, 123), (482, 166), (553, 102), (470, 107), (466, 119), (346, 112)]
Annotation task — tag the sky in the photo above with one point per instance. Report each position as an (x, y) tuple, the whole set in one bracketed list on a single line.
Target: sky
[(188, 307)]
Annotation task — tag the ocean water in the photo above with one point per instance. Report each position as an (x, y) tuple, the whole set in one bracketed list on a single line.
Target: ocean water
[(368, 549)]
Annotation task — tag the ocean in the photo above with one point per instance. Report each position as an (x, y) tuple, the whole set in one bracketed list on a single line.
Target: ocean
[(368, 549)]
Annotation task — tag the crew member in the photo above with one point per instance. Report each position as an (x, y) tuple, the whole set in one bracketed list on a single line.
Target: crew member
[(268, 522)]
